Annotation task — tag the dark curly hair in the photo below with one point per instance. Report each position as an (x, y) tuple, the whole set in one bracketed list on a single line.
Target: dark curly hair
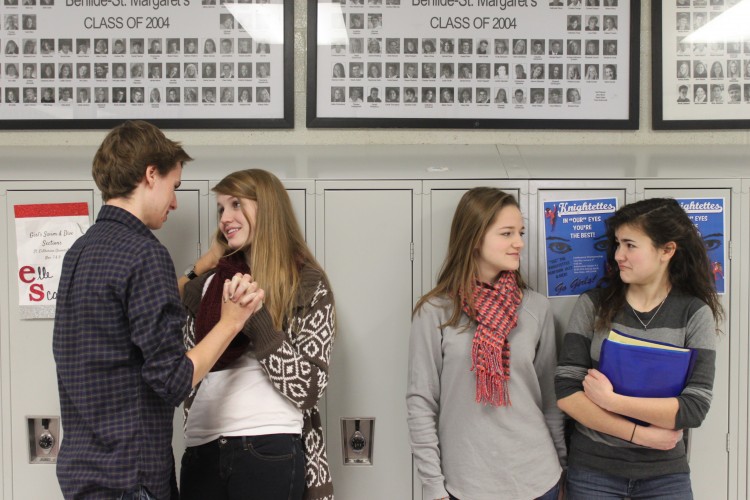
[(663, 220)]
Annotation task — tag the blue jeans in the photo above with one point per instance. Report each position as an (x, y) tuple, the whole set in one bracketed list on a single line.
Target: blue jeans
[(270, 467), (550, 495), (587, 484), (140, 493)]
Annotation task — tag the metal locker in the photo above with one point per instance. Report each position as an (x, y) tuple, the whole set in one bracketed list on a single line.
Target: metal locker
[(29, 378), (742, 252), (541, 191), (711, 444), (184, 235), (302, 195), (187, 234), (365, 233), (440, 201)]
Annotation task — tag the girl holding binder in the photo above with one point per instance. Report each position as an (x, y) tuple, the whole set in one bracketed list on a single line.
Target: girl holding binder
[(658, 288), (482, 416)]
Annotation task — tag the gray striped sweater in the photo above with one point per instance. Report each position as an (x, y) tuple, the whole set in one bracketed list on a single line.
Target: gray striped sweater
[(683, 321)]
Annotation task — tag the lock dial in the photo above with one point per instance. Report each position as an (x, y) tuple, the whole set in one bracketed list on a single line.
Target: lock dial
[(357, 441), (46, 441)]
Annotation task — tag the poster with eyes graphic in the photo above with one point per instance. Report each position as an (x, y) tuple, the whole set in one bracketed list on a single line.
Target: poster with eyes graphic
[(708, 216), (575, 244)]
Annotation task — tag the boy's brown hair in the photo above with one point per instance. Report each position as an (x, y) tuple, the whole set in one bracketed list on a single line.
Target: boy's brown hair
[(121, 161)]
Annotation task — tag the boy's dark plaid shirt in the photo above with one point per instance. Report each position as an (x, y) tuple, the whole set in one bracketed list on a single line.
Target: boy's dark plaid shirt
[(121, 365)]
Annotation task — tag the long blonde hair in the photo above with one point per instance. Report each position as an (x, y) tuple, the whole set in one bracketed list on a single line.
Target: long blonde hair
[(278, 250), (475, 213)]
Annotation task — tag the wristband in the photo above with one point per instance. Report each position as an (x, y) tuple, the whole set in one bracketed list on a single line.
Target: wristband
[(190, 273)]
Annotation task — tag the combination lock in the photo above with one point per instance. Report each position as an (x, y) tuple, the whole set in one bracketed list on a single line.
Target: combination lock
[(357, 441), (46, 439), (46, 442)]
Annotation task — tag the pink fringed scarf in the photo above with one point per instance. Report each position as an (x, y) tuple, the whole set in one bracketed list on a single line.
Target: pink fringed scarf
[(496, 309)]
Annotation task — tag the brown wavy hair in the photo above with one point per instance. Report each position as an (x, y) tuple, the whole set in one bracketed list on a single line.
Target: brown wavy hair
[(128, 150), (278, 251), (475, 213), (663, 220)]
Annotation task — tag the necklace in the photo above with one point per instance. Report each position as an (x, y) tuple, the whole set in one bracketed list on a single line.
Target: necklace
[(645, 325)]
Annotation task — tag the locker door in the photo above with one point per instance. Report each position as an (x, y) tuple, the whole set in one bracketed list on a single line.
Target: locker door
[(742, 322), (542, 191), (708, 445), (439, 203), (185, 234), (301, 194), (365, 233), (29, 381)]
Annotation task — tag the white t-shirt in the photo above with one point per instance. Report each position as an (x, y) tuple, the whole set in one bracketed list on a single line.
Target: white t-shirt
[(239, 401)]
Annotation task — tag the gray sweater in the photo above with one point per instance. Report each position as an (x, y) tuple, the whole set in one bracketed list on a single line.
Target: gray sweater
[(480, 452), (683, 320)]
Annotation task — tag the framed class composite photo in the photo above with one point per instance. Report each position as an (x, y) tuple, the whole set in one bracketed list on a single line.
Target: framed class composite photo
[(177, 63), (570, 64), (701, 64)]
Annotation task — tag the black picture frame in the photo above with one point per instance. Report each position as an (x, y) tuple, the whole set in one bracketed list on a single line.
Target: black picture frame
[(240, 102), (320, 80), (697, 75)]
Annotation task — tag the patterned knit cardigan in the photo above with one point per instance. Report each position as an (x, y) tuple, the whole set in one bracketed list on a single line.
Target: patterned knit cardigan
[(295, 359)]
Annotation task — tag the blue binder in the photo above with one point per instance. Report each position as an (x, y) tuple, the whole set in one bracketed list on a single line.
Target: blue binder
[(643, 371)]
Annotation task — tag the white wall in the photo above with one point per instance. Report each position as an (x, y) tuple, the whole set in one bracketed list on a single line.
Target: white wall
[(301, 136)]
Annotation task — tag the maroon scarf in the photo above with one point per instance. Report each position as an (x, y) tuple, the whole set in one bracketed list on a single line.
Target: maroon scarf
[(496, 309), (209, 311)]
